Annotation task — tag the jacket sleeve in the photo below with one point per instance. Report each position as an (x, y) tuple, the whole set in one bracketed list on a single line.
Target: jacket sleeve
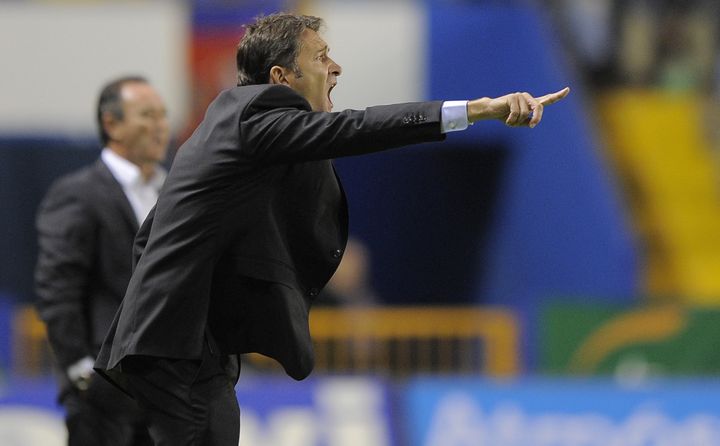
[(66, 249), (278, 127)]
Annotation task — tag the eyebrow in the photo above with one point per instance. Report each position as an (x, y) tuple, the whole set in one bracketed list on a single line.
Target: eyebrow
[(325, 49)]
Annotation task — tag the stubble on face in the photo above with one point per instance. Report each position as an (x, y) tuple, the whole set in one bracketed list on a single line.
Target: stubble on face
[(316, 73)]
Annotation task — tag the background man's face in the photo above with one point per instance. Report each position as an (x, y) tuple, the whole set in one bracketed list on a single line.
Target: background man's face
[(144, 130)]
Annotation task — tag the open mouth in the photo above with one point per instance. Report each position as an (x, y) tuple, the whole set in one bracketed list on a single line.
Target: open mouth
[(328, 94)]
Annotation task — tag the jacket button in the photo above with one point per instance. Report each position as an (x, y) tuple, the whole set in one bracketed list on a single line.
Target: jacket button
[(337, 253), (313, 292)]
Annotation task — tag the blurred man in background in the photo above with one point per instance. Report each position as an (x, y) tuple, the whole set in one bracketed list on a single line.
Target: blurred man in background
[(350, 285), (251, 225), (86, 225)]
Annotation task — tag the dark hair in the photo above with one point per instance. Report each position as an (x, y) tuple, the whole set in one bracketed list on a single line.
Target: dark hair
[(111, 102), (271, 40)]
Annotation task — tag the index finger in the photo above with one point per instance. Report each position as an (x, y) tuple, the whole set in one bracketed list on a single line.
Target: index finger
[(554, 97)]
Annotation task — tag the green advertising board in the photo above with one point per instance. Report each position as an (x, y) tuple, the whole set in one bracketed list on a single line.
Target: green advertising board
[(587, 339)]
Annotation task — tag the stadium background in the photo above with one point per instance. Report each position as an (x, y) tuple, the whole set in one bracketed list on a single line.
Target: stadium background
[(549, 287)]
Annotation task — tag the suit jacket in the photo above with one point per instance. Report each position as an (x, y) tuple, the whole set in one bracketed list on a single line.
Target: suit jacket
[(250, 225), (86, 228)]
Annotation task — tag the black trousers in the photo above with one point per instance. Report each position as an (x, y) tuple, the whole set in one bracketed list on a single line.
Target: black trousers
[(103, 415), (187, 402)]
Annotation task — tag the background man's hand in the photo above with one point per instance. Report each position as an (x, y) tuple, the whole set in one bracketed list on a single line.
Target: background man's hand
[(516, 109), (81, 372)]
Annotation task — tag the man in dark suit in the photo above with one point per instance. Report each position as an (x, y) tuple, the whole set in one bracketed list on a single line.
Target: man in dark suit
[(86, 226), (251, 224)]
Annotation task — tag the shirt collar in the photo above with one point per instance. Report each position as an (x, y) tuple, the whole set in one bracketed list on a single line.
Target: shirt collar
[(127, 173)]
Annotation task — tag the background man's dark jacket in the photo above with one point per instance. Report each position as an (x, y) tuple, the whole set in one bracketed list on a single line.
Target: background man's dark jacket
[(251, 224), (86, 228)]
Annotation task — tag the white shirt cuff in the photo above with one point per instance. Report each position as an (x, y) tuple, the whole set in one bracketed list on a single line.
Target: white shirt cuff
[(454, 116)]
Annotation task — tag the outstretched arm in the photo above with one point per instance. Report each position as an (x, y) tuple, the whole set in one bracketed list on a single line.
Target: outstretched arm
[(515, 109)]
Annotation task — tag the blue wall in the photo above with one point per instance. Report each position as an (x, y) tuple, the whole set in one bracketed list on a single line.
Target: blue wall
[(494, 214), (559, 226)]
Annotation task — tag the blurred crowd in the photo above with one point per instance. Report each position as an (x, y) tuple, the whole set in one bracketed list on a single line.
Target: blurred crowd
[(661, 43), (657, 63)]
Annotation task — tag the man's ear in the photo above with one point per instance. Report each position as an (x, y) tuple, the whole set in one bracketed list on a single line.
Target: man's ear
[(110, 124), (277, 75)]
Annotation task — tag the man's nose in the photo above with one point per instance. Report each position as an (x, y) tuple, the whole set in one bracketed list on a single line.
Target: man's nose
[(335, 68)]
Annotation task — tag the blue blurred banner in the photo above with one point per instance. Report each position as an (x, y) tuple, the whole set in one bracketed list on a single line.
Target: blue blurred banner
[(362, 411), (562, 413), (29, 415), (318, 412), (277, 411)]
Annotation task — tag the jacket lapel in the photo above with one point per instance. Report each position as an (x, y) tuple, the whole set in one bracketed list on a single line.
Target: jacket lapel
[(114, 193)]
